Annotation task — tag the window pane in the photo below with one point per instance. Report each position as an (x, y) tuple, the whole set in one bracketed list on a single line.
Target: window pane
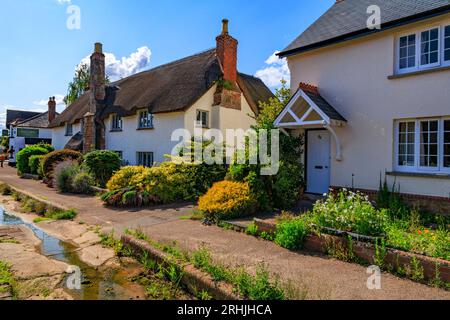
[(447, 55), (428, 143), (429, 47), (447, 125), (406, 147), (403, 41), (447, 162)]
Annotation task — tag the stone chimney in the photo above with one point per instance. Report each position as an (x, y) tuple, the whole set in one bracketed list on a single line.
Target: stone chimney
[(93, 135), (98, 77), (51, 109), (228, 94)]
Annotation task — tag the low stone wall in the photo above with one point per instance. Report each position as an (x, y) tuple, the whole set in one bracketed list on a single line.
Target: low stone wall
[(194, 280), (393, 259)]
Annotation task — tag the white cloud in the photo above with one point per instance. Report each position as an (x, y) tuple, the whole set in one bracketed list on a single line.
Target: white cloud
[(126, 66), (44, 102), (64, 1), (275, 70)]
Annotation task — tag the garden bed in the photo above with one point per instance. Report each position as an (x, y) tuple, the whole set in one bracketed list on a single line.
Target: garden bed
[(416, 266)]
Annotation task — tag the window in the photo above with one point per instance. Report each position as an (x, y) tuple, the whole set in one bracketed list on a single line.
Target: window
[(446, 144), (423, 145), (69, 129), (429, 47), (145, 159), (116, 122), (145, 120), (447, 44), (202, 119), (406, 144), (407, 52), (28, 133), (429, 143), (424, 49)]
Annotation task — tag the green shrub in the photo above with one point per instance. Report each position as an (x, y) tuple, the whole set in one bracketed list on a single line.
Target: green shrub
[(51, 159), (291, 233), (122, 178), (168, 183), (287, 184), (228, 200), (352, 212), (23, 157), (82, 182), (34, 163), (64, 174), (102, 164)]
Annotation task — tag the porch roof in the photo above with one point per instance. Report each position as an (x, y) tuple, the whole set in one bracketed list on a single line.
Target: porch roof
[(308, 108)]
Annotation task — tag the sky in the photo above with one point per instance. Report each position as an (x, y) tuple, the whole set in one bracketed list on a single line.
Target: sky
[(43, 41)]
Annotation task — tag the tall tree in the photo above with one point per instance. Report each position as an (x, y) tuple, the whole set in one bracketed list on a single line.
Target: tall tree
[(270, 110), (80, 84)]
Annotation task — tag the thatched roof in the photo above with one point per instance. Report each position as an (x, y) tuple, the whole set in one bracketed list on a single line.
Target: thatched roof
[(168, 88)]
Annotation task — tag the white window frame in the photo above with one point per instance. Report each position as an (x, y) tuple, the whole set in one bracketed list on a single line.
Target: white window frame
[(150, 119), (116, 120), (419, 48), (410, 69), (142, 153), (397, 142), (69, 132), (199, 124), (444, 63), (418, 66), (417, 168)]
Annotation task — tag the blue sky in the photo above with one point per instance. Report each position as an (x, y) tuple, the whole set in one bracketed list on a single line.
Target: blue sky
[(39, 53)]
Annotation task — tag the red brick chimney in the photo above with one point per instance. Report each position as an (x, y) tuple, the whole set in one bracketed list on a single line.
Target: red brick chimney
[(51, 109), (228, 94), (227, 52)]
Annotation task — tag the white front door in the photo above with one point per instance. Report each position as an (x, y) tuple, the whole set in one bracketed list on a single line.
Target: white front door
[(318, 161)]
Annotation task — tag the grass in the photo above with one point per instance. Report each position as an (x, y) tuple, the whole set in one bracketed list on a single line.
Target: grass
[(46, 213), (260, 286), (7, 281)]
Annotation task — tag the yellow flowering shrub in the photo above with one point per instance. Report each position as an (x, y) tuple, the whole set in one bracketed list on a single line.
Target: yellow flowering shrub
[(227, 200), (124, 177)]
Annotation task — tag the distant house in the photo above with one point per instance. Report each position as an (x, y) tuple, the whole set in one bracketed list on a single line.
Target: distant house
[(375, 102), (137, 115), (33, 126), (18, 115)]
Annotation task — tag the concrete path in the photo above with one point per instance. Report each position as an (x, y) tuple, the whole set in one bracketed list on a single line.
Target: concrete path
[(91, 210), (313, 276)]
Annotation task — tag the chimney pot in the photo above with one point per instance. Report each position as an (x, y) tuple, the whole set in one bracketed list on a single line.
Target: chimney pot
[(98, 47), (225, 26)]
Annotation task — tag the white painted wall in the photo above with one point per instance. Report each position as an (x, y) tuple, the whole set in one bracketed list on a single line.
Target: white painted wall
[(59, 138), (43, 133), (156, 140), (353, 77), (220, 118)]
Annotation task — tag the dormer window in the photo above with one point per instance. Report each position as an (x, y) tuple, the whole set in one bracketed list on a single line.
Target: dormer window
[(423, 50), (69, 129), (145, 120), (116, 123)]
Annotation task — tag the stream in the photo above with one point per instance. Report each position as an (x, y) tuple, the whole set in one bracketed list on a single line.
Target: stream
[(96, 285)]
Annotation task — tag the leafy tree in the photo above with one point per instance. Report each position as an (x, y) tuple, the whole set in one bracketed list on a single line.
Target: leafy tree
[(80, 84), (270, 110)]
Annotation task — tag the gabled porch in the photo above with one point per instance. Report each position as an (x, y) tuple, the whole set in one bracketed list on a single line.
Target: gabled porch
[(309, 112)]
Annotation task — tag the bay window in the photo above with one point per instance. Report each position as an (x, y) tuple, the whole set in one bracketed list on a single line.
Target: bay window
[(422, 145), (424, 49)]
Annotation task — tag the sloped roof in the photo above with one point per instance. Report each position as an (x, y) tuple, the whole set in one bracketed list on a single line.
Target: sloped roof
[(38, 121), (347, 19), (168, 88), (18, 115), (75, 143), (323, 104)]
